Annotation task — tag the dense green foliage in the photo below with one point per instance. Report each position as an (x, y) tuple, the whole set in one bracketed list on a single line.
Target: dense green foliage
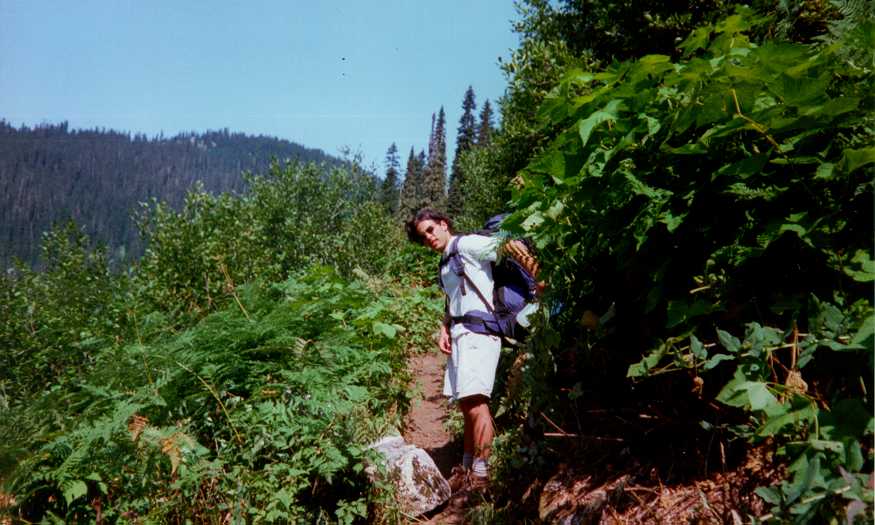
[(49, 320), (50, 174), (676, 202), (237, 373), (260, 411), (292, 217)]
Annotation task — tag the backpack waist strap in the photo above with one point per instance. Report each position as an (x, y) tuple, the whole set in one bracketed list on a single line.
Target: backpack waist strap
[(478, 322)]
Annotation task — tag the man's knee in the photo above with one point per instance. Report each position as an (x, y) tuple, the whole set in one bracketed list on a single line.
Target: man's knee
[(475, 403)]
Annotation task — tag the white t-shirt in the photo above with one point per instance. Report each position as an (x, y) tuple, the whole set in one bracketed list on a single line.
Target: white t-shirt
[(477, 252)]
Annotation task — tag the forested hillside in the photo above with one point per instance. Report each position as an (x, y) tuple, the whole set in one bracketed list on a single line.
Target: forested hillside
[(697, 179), (97, 178)]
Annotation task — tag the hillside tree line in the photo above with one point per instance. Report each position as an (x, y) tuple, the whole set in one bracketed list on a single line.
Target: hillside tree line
[(97, 178)]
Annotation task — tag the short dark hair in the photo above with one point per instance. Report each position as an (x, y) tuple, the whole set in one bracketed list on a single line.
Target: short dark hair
[(425, 214)]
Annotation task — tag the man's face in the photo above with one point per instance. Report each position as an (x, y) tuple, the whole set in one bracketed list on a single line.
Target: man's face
[(435, 235)]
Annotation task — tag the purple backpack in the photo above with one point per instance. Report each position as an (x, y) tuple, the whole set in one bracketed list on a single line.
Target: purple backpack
[(514, 288)]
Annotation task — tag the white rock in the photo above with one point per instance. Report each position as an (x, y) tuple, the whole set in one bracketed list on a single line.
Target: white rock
[(419, 485)]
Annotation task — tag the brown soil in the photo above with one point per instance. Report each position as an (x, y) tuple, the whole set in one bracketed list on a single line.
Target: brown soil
[(425, 427)]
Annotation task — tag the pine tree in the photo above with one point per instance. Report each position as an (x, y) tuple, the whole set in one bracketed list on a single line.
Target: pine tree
[(425, 168), (464, 141), (435, 174), (484, 129), (431, 145), (389, 194), (411, 199), (407, 202), (420, 166)]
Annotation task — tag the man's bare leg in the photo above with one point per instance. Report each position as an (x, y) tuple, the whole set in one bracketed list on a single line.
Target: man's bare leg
[(469, 429), (478, 422), (477, 413)]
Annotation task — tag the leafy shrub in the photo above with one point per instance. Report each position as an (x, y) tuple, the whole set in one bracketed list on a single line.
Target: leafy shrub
[(727, 192), (52, 320), (293, 217)]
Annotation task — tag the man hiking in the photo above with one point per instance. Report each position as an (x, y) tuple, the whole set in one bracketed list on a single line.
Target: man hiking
[(472, 354)]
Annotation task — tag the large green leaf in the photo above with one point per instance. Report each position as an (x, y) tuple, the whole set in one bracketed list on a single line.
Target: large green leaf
[(865, 333), (729, 341), (797, 92), (833, 107), (746, 167), (697, 40), (802, 411), (849, 418), (608, 113), (760, 397), (73, 490), (643, 367), (716, 359), (853, 159), (862, 267)]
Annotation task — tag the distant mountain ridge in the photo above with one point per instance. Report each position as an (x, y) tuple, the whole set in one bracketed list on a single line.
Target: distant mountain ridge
[(97, 178)]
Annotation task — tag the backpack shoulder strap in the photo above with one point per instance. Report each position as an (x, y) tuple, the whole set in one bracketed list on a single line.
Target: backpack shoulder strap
[(453, 258)]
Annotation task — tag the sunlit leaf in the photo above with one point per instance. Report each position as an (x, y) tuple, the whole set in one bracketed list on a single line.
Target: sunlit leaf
[(587, 125), (73, 490)]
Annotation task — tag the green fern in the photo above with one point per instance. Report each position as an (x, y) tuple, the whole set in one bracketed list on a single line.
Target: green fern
[(283, 390)]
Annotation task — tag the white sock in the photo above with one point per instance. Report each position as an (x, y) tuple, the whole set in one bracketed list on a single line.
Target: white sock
[(467, 460), (480, 467)]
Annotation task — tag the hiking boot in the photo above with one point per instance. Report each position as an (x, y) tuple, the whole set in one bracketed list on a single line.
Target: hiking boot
[(474, 491), (478, 484), (458, 479)]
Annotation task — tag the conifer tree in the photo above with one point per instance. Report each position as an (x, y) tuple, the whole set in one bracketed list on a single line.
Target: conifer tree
[(389, 189), (431, 144), (464, 141), (410, 190), (435, 174), (425, 168), (484, 129), (419, 166)]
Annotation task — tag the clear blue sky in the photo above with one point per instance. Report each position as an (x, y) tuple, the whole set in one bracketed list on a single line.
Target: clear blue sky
[(326, 74)]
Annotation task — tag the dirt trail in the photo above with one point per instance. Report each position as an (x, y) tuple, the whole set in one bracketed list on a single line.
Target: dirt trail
[(425, 426)]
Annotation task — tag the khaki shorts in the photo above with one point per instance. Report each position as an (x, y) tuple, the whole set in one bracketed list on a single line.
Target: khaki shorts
[(471, 367)]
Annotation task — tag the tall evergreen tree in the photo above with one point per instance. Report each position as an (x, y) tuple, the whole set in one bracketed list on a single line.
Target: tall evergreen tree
[(467, 132), (389, 192), (425, 167), (484, 128), (435, 174), (420, 166), (410, 189), (431, 144)]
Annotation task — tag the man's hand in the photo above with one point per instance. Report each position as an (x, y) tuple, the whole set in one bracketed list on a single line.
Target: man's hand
[(444, 342)]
